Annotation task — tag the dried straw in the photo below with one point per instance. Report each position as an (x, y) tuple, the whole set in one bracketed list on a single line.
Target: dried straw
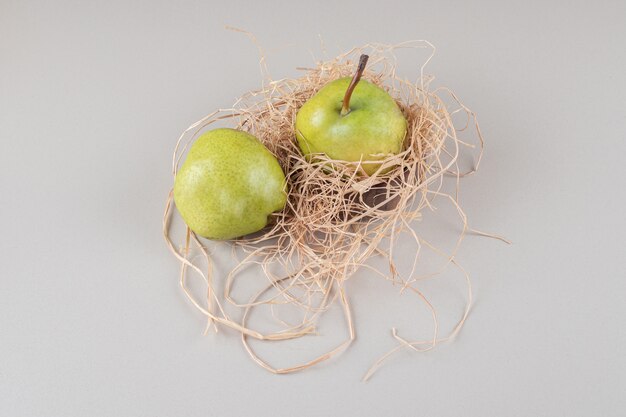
[(335, 219)]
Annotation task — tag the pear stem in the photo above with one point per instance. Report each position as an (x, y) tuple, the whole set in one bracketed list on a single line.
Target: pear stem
[(345, 109)]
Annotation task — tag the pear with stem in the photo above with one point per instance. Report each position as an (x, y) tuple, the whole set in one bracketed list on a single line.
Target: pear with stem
[(352, 120)]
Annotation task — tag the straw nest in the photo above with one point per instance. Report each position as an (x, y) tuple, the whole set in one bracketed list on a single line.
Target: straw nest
[(335, 219)]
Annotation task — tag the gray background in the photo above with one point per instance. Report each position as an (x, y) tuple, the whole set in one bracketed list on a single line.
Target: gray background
[(92, 322)]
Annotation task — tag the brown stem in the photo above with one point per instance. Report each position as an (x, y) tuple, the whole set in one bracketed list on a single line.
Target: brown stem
[(345, 109)]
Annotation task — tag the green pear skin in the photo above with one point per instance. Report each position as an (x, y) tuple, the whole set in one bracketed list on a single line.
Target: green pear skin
[(229, 185), (374, 128)]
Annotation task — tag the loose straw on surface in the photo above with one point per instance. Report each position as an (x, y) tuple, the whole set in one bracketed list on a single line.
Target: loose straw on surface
[(335, 219)]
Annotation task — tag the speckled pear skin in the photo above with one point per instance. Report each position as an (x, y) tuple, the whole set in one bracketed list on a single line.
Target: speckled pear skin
[(228, 185), (374, 125)]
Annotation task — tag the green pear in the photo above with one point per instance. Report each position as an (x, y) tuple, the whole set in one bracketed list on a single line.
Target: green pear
[(351, 121), (229, 185)]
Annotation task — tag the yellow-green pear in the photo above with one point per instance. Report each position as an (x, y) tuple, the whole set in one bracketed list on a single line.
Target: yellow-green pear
[(351, 121), (228, 185)]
